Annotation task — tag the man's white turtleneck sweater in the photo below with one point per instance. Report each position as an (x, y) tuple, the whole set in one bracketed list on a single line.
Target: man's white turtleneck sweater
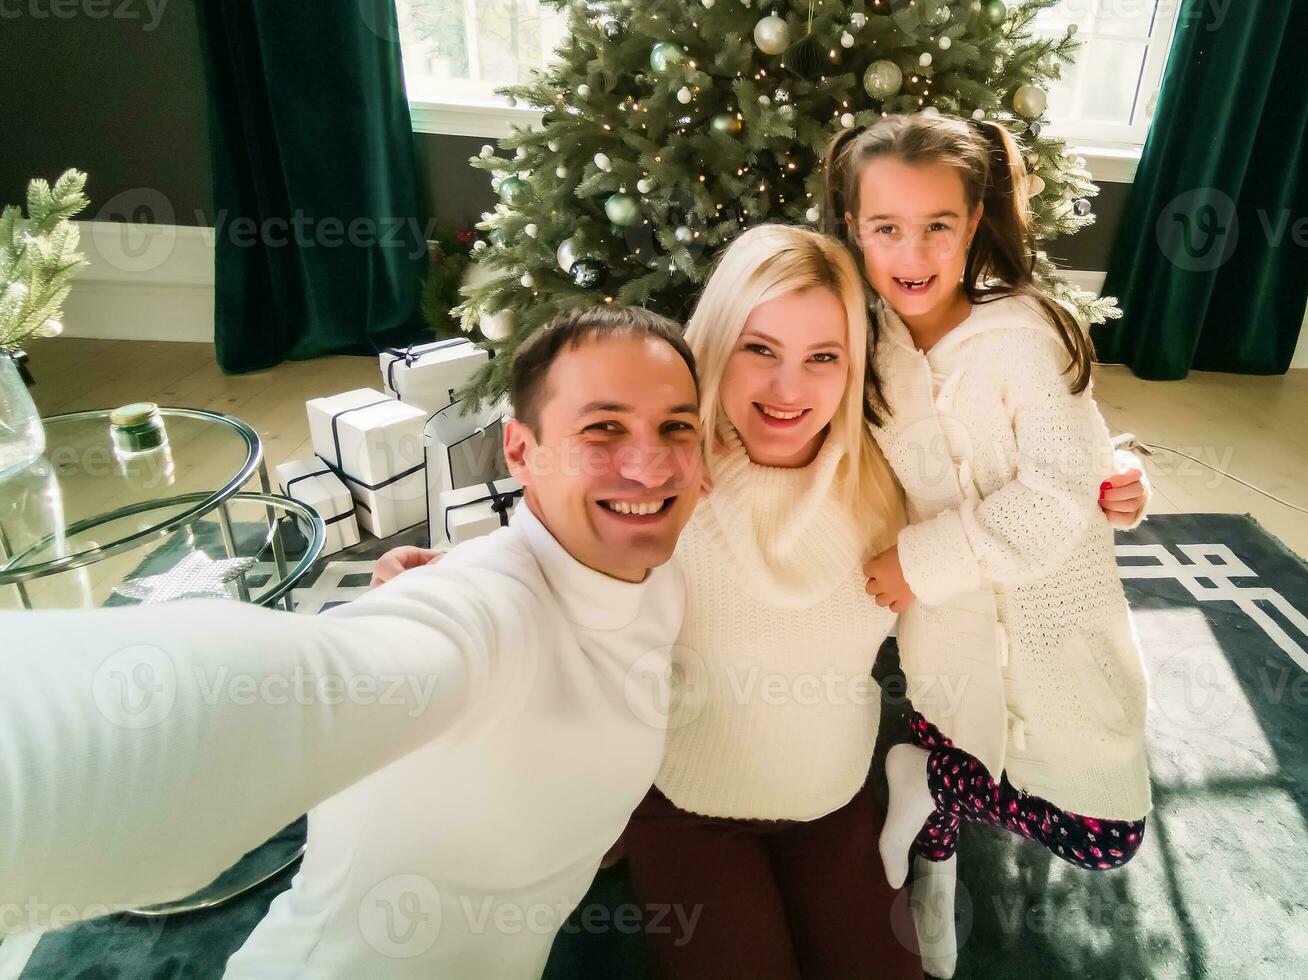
[(489, 731), (778, 712)]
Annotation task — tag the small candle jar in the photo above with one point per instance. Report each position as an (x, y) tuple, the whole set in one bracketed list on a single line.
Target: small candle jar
[(137, 428)]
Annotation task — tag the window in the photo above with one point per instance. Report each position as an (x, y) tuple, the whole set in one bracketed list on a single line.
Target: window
[(1106, 98), (457, 52)]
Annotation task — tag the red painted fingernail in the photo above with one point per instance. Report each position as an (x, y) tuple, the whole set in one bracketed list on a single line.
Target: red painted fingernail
[(1105, 485)]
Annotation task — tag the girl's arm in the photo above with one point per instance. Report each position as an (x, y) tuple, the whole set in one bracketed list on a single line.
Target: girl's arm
[(144, 750), (1030, 525)]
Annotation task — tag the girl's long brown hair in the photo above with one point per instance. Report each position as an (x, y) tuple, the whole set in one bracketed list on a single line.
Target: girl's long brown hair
[(1001, 260)]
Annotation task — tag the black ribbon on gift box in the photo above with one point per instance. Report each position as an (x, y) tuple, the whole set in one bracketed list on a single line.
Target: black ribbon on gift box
[(500, 503), (345, 477), (309, 476), (409, 357)]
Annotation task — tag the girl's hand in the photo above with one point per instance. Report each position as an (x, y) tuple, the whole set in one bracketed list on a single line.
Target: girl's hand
[(401, 560), (1122, 498), (885, 581)]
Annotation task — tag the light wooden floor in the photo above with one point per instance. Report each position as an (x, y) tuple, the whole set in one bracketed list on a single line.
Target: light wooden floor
[(1254, 427)]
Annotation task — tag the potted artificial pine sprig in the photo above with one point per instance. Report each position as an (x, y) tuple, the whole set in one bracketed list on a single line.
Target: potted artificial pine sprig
[(38, 259)]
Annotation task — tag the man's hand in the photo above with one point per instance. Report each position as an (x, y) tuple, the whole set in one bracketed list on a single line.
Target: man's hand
[(401, 560), (1122, 497), (885, 581)]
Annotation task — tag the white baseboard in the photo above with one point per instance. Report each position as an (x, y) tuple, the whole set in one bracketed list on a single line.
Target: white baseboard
[(144, 282), (156, 282)]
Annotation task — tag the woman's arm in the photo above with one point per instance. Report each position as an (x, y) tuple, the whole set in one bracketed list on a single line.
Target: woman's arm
[(1030, 525), (143, 751)]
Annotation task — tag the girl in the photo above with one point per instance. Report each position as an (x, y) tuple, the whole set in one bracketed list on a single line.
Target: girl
[(989, 423), (762, 825)]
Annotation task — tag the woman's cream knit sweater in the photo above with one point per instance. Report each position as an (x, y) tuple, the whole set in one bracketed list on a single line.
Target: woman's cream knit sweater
[(776, 711)]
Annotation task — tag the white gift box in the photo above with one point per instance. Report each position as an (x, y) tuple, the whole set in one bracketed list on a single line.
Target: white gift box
[(470, 512), (427, 375), (463, 451), (374, 444), (311, 482)]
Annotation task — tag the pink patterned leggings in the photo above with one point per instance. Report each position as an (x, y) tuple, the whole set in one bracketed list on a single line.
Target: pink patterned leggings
[(963, 789)]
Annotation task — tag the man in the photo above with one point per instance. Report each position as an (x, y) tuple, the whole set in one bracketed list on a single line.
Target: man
[(462, 797)]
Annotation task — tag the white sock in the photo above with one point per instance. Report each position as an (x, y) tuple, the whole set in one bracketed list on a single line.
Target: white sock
[(932, 901), (910, 804)]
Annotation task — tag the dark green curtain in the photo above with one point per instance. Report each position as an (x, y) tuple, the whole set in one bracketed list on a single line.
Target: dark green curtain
[(320, 248), (1210, 262)]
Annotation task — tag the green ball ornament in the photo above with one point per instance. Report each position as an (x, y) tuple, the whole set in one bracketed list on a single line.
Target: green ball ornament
[(622, 209), (726, 123), (994, 12), (514, 191), (664, 56), (1030, 101), (882, 79)]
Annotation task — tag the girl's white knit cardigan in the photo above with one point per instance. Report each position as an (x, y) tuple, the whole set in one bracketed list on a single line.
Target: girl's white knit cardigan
[(1020, 646)]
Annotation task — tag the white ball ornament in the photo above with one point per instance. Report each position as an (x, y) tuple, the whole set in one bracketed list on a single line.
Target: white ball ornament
[(644, 185), (683, 95), (486, 152), (946, 43), (708, 4), (496, 326), (531, 231), (847, 119), (553, 146), (560, 171), (583, 90), (925, 59), (858, 19), (930, 111), (479, 245), (1034, 185), (511, 102), (528, 280), (772, 35), (603, 162), (846, 40), (812, 214), (978, 114), (1030, 100)]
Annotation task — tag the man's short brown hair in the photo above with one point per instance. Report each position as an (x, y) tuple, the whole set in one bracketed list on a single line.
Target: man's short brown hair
[(571, 329)]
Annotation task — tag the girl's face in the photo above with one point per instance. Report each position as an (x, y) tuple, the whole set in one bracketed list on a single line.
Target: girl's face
[(785, 378), (914, 227)]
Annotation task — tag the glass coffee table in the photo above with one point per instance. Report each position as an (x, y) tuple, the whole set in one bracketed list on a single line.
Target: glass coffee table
[(86, 524)]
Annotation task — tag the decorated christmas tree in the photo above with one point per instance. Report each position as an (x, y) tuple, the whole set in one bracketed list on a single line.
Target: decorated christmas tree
[(669, 127)]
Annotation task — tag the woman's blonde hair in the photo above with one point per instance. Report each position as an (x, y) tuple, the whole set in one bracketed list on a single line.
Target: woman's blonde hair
[(761, 264)]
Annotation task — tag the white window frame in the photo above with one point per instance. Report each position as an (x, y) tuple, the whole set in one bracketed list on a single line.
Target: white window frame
[(1112, 152)]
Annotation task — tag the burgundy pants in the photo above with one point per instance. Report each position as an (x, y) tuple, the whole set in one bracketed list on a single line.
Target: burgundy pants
[(770, 899)]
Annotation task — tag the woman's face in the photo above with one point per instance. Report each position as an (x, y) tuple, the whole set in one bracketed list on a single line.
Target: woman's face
[(786, 376), (913, 226)]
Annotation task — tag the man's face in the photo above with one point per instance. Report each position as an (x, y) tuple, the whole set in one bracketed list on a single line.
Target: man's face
[(616, 470)]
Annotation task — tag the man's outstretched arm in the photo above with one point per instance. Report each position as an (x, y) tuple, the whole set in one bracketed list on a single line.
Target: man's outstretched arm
[(144, 750)]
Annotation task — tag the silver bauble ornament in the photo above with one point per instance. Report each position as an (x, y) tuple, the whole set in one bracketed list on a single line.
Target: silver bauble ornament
[(567, 253)]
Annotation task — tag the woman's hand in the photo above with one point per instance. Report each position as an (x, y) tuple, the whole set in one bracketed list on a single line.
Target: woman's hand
[(885, 581), (401, 560), (1122, 498)]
